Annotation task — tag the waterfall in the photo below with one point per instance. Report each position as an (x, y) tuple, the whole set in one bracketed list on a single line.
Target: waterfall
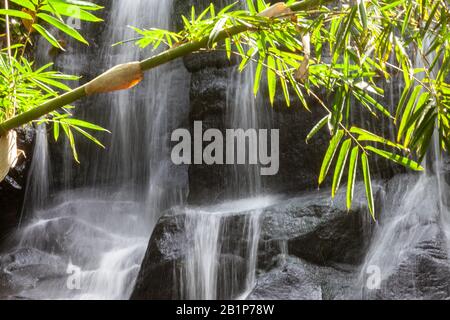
[(243, 185), (99, 215), (415, 216), (244, 111), (38, 188), (221, 261)]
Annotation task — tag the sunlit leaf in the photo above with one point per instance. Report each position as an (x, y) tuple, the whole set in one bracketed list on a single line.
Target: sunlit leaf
[(329, 155), (340, 164), (353, 164), (368, 184), (319, 125), (271, 78), (408, 163)]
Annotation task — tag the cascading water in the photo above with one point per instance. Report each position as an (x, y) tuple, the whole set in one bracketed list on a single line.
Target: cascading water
[(414, 220), (221, 261), (203, 279), (38, 188), (100, 227), (88, 226)]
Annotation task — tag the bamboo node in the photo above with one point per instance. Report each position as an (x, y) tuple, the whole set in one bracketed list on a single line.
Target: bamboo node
[(8, 153), (302, 72), (276, 10), (123, 76)]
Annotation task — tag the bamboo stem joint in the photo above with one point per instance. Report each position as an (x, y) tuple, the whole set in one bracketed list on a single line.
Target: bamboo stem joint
[(123, 76)]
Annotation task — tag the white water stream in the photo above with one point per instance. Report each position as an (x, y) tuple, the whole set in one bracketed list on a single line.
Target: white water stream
[(102, 225)]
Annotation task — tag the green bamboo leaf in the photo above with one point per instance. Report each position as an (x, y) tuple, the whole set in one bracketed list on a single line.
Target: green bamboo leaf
[(62, 26), (431, 16), (14, 46), (362, 13), (402, 102), (47, 35), (285, 91), (84, 124), (53, 83), (284, 85), (298, 91), (257, 79), (15, 13), (203, 14), (339, 103), (368, 184), (216, 31), (228, 47), (89, 136), (193, 14), (363, 96), (25, 3), (271, 78), (407, 163), (227, 8), (329, 155), (186, 23), (340, 165), (344, 31), (319, 125), (85, 5), (261, 5), (364, 135), (212, 10), (426, 124), (251, 7), (56, 130), (423, 106), (352, 176), (69, 134), (245, 60), (407, 112), (68, 10), (392, 5)]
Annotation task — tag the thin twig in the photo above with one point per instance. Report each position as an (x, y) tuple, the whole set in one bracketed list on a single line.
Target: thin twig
[(8, 33), (10, 113)]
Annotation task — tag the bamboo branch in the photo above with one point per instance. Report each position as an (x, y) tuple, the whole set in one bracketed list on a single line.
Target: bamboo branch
[(150, 63), (10, 113), (8, 32)]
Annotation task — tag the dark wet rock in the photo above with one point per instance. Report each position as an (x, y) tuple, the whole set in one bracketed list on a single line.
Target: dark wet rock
[(421, 272), (208, 96), (311, 227), (408, 256), (315, 228), (164, 256), (288, 282), (68, 237), (299, 161), (196, 62), (12, 189), (295, 279), (168, 249), (24, 268), (422, 275)]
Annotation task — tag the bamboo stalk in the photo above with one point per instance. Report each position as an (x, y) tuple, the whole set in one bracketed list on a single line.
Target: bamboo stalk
[(150, 63)]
